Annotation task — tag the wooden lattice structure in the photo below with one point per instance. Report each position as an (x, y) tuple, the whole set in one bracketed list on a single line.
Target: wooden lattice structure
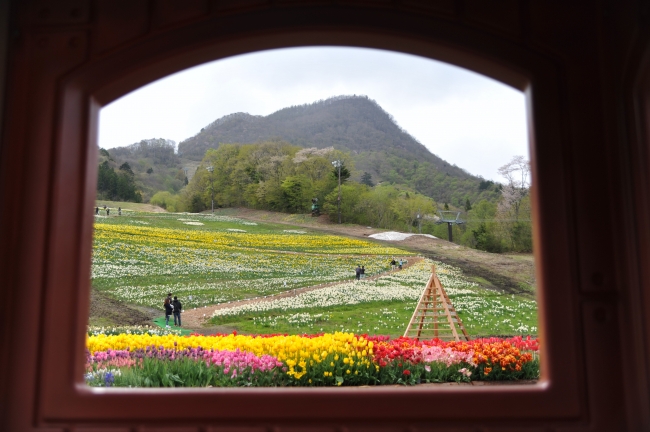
[(435, 316)]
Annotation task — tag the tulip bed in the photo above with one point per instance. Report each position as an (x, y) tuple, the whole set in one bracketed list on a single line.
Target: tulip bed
[(329, 359)]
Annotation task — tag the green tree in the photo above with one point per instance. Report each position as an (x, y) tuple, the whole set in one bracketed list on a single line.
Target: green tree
[(345, 173), (350, 197), (126, 168), (410, 209), (481, 230), (196, 204), (366, 179), (294, 191), (117, 187), (167, 200), (376, 205)]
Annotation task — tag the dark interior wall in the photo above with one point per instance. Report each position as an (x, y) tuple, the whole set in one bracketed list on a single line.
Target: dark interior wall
[(583, 65)]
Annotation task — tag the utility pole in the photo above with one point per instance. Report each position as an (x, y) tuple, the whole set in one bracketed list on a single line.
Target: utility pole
[(211, 169), (337, 164)]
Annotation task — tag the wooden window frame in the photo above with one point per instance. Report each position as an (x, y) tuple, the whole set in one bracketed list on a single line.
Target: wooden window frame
[(59, 83)]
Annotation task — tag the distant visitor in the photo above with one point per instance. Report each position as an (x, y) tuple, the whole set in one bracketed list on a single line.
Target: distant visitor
[(169, 309), (178, 308)]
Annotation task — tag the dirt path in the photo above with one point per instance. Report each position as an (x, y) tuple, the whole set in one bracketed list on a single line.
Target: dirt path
[(196, 318)]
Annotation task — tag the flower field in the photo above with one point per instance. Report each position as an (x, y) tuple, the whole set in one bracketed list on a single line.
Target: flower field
[(321, 337), (384, 306), (329, 359), (141, 257), (140, 260)]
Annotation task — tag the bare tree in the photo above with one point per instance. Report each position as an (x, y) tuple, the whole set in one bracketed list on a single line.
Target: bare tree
[(513, 210), (517, 174)]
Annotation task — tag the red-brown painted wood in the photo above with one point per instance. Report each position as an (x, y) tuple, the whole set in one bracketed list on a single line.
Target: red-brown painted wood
[(584, 67)]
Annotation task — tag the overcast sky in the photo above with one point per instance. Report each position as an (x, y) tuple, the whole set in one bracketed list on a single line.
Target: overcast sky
[(465, 118)]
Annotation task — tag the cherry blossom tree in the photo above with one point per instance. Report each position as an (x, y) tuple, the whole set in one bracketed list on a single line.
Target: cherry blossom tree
[(513, 210), (517, 175)]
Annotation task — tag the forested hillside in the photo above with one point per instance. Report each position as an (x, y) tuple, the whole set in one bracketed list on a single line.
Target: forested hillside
[(276, 175), (154, 164), (115, 181), (354, 124)]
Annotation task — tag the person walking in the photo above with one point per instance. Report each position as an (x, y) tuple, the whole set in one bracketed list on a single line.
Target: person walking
[(169, 309), (363, 272), (96, 211), (393, 263), (108, 211), (178, 308), (357, 272), (401, 262), (119, 211)]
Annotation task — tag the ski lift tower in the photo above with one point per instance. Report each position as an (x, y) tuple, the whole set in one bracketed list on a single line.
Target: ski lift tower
[(450, 217)]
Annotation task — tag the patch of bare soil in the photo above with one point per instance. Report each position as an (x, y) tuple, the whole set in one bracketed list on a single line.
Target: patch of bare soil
[(151, 208), (106, 311), (507, 273)]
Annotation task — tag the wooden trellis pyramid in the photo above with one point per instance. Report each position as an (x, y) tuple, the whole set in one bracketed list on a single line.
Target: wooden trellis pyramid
[(435, 316)]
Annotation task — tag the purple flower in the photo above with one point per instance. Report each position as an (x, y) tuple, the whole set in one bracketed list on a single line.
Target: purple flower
[(109, 378)]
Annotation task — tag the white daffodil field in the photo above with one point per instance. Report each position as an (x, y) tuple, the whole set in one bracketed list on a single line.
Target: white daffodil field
[(384, 306)]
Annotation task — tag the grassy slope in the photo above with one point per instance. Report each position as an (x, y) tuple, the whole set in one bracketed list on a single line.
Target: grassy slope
[(508, 280)]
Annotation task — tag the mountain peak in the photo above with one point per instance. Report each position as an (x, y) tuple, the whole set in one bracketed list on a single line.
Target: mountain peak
[(352, 123)]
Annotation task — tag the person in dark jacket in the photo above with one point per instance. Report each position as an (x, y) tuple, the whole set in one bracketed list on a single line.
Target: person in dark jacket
[(357, 272), (178, 307), (363, 272), (168, 311)]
